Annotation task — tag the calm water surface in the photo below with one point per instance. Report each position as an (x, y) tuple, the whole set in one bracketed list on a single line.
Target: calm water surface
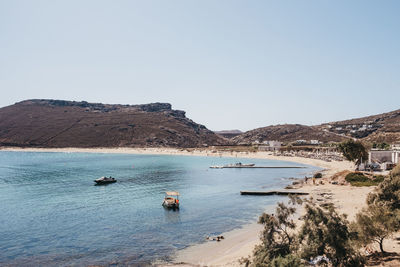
[(52, 214)]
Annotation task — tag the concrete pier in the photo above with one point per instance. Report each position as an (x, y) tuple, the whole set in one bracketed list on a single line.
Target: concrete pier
[(257, 167), (269, 193)]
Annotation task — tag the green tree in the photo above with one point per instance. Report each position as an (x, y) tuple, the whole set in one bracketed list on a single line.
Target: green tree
[(354, 151), (382, 216), (278, 237), (325, 232), (376, 223), (384, 146), (388, 192)]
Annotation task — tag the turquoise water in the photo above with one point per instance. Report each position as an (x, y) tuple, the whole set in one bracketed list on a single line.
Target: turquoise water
[(52, 214)]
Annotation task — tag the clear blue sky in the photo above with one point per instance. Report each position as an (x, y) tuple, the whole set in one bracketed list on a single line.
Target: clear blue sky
[(228, 64)]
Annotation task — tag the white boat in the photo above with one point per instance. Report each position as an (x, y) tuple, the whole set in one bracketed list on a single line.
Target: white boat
[(171, 200)]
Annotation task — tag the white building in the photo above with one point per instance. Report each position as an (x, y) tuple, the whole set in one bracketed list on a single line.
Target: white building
[(395, 147), (314, 142), (384, 157), (270, 146)]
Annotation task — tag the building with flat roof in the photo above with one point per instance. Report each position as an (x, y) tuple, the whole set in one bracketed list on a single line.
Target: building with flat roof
[(270, 146), (384, 157)]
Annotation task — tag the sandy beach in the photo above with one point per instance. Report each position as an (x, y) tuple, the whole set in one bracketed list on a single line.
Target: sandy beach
[(240, 242), (329, 167)]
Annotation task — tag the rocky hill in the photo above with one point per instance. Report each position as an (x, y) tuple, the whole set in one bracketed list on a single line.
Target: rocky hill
[(58, 123), (383, 127), (287, 133), (379, 128)]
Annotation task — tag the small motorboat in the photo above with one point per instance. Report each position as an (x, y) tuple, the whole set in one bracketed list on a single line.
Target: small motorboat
[(105, 180), (171, 200)]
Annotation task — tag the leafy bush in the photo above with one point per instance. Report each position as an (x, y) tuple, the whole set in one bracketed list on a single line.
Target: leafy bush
[(383, 146), (326, 232), (395, 171), (356, 177), (388, 192), (379, 178), (381, 218), (376, 223), (359, 179), (278, 238)]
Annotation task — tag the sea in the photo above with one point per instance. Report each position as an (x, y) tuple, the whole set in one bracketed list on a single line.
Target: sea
[(52, 214)]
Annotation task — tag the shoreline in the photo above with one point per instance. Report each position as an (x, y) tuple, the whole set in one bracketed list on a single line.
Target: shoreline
[(328, 168), (239, 242)]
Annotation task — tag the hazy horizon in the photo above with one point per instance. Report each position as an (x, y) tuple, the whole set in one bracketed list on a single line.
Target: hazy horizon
[(228, 64)]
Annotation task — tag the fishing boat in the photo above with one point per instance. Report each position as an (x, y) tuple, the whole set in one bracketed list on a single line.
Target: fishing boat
[(171, 200), (105, 180)]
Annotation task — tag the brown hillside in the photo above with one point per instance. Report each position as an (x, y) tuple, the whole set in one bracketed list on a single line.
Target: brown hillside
[(58, 123), (383, 127), (379, 128), (287, 133)]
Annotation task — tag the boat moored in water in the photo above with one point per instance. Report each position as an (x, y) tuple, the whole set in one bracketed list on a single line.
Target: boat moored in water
[(216, 167), (171, 200), (105, 180), (236, 165), (239, 165)]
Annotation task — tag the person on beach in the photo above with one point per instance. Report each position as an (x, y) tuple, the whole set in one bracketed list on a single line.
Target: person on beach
[(313, 180)]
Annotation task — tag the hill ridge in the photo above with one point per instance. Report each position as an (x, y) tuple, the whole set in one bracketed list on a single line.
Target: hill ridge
[(62, 123), (384, 127)]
